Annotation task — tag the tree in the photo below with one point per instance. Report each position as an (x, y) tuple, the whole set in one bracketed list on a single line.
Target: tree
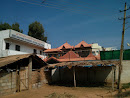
[(36, 30), (15, 27), (4, 26)]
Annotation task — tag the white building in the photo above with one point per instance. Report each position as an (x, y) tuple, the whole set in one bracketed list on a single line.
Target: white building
[(110, 48), (96, 48), (14, 43)]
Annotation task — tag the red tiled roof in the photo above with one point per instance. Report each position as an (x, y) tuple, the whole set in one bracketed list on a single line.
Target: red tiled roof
[(71, 59), (91, 57), (83, 43), (66, 45), (69, 55), (98, 56), (76, 59), (45, 59), (52, 50), (52, 59)]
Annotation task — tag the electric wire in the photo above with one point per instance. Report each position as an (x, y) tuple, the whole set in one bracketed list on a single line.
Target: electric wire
[(114, 15), (83, 2), (60, 5), (73, 3), (46, 6)]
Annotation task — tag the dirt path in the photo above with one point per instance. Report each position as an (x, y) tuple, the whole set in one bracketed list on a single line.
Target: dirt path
[(71, 92)]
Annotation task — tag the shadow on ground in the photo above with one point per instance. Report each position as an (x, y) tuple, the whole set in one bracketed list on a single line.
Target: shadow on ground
[(78, 84), (124, 94)]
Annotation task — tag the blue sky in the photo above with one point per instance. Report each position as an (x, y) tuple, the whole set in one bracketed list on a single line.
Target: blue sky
[(94, 21)]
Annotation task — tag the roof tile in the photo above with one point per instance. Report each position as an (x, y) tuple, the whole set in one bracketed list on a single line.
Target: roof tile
[(83, 43), (69, 55), (52, 50), (66, 45)]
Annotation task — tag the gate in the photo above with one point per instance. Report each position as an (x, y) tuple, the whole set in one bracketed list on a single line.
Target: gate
[(23, 78)]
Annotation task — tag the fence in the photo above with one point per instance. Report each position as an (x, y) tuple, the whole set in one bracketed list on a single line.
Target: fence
[(115, 54)]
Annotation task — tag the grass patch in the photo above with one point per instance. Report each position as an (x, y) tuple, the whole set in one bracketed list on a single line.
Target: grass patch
[(127, 85), (64, 95)]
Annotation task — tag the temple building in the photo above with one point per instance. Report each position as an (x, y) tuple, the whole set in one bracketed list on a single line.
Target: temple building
[(77, 52)]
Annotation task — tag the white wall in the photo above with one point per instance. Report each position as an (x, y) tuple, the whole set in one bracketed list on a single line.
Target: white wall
[(47, 46), (25, 47), (125, 77), (3, 34), (96, 48)]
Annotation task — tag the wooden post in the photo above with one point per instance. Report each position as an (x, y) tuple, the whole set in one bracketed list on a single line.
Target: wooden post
[(30, 73), (17, 80), (121, 53), (11, 79), (59, 74), (74, 76), (112, 78)]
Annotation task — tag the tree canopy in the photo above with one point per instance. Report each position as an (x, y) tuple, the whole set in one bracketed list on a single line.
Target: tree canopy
[(15, 26), (4, 26), (36, 30)]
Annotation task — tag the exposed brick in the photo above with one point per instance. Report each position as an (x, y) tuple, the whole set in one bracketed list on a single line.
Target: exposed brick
[(3, 84), (6, 87), (9, 83)]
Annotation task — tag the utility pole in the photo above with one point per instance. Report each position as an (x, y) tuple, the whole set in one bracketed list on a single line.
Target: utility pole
[(121, 50)]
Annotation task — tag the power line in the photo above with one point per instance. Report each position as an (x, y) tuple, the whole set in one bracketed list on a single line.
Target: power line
[(73, 3), (127, 27), (46, 6), (82, 2), (57, 5), (63, 5), (68, 10)]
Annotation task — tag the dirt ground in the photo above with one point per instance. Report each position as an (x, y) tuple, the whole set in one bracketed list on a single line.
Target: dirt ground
[(47, 91)]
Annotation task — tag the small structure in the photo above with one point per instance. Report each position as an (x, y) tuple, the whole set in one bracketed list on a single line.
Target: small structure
[(16, 43), (21, 72), (110, 48), (83, 73)]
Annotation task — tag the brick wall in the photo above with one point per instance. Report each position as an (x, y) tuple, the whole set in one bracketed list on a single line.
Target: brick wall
[(38, 78), (7, 82)]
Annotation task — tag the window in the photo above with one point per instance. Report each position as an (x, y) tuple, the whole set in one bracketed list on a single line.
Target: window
[(17, 47), (34, 51), (7, 46), (93, 52), (40, 52)]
